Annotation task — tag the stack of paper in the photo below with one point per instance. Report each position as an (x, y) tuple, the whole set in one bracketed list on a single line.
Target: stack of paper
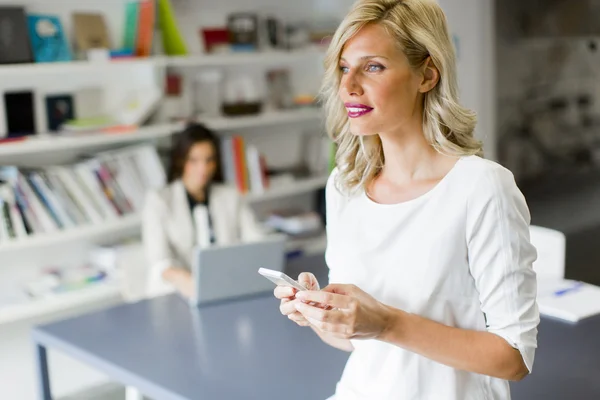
[(568, 300)]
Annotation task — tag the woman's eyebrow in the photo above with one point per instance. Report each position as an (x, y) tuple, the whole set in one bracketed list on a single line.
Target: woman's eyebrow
[(366, 57)]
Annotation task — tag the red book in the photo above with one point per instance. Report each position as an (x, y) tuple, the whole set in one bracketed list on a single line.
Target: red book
[(238, 161), (145, 28)]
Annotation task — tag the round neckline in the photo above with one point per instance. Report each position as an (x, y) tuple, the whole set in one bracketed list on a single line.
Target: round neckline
[(419, 198)]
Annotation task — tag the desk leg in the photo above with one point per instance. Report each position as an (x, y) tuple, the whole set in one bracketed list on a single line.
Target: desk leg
[(41, 359), (132, 393)]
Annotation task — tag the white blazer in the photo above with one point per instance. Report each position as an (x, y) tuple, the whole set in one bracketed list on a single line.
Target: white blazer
[(170, 232)]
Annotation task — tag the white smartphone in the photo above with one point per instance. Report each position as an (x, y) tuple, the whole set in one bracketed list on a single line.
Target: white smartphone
[(280, 279)]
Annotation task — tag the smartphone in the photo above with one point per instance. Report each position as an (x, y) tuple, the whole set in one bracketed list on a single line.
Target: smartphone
[(280, 279)]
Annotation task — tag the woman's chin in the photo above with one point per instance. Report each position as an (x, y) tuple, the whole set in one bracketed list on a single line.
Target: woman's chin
[(362, 132)]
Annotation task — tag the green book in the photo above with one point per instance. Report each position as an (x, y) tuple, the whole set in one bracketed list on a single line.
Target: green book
[(173, 42), (131, 24)]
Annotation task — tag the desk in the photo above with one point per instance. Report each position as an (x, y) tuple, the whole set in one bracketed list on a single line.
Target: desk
[(247, 350)]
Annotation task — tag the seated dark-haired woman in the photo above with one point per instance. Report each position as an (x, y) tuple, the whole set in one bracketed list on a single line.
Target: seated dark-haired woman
[(195, 209)]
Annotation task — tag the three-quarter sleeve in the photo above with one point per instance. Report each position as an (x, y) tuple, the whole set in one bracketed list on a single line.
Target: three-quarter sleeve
[(500, 260), (331, 211), (159, 254)]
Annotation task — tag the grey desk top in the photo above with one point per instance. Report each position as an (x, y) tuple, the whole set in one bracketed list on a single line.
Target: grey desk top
[(567, 363), (247, 350), (237, 350)]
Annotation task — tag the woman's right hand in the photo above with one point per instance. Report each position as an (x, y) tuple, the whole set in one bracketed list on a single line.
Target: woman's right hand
[(287, 295)]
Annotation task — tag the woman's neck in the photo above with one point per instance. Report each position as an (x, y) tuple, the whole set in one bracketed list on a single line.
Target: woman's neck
[(197, 193), (408, 157)]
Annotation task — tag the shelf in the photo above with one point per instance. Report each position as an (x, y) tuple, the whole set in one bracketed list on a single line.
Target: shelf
[(45, 143), (99, 294), (201, 60), (86, 232), (245, 58), (289, 189), (264, 119), (71, 67)]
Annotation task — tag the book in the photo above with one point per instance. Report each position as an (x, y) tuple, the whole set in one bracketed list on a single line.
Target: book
[(145, 28), (227, 161), (94, 188), (131, 25), (7, 231), (14, 36), (255, 170), (239, 161), (48, 41), (59, 109), (46, 222), (173, 42), (568, 300), (79, 194), (16, 220), (50, 201), (19, 108), (70, 206), (119, 172), (90, 31), (11, 175), (138, 106)]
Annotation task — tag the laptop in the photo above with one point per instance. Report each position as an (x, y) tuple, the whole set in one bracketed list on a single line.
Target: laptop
[(228, 272)]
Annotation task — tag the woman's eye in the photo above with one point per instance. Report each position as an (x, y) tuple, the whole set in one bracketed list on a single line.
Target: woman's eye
[(374, 68), (344, 69)]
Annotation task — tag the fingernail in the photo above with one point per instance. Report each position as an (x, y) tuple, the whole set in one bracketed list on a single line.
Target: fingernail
[(300, 295), (300, 306)]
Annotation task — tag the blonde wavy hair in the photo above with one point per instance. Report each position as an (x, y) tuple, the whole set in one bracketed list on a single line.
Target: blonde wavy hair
[(420, 29)]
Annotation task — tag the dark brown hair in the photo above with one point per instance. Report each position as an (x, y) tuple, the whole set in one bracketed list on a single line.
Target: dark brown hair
[(182, 143)]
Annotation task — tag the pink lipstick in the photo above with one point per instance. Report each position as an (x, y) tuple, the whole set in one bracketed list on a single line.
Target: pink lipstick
[(356, 110)]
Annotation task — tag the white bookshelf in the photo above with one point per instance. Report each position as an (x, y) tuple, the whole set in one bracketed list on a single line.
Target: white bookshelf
[(94, 295), (90, 233), (245, 58), (292, 188), (47, 143), (131, 223), (44, 143), (200, 60), (74, 67), (268, 118)]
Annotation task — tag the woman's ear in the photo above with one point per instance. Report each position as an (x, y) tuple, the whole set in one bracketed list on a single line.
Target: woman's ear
[(430, 76)]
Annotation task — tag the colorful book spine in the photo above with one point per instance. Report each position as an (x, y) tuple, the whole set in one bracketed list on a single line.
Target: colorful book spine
[(8, 231), (145, 31), (241, 170), (47, 223), (16, 220), (50, 200), (131, 25), (32, 222)]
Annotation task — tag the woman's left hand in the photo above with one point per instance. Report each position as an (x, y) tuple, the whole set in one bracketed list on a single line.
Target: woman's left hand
[(354, 314)]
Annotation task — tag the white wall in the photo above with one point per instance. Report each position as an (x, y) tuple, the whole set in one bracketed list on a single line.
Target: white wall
[(472, 21)]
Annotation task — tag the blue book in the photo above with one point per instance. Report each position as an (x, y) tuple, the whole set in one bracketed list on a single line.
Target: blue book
[(48, 41), (44, 198)]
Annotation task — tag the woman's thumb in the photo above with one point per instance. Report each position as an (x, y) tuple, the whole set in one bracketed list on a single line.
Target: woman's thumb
[(309, 281)]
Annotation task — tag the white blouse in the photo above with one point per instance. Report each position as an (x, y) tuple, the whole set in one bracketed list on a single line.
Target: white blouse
[(459, 255)]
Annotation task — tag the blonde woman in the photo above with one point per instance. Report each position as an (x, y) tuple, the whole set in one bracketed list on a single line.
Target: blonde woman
[(431, 280)]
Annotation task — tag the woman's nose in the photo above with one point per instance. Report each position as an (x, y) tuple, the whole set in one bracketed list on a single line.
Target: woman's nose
[(351, 85)]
